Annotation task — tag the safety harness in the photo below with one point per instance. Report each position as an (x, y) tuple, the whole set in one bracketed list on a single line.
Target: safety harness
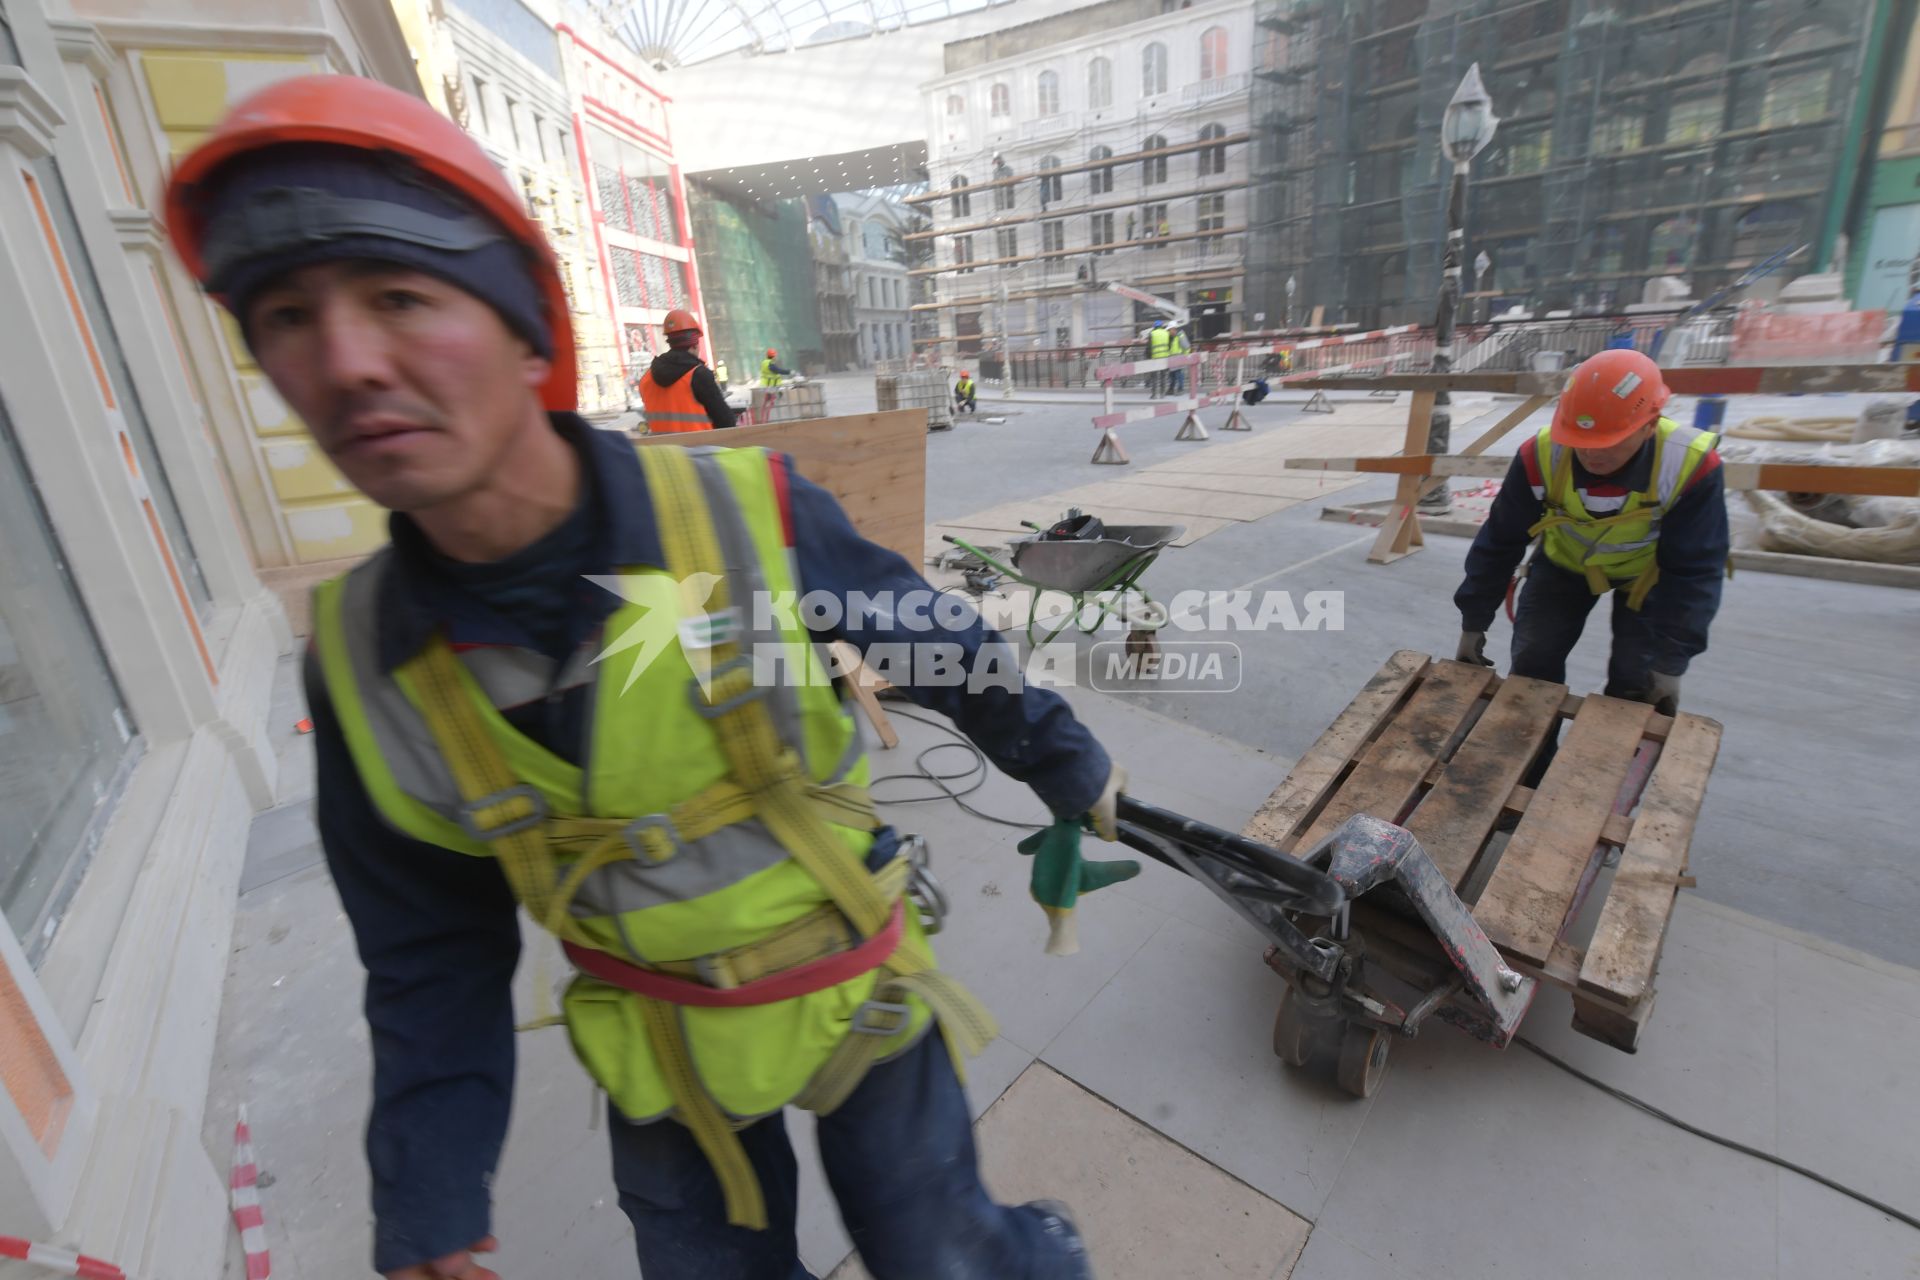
[(547, 857)]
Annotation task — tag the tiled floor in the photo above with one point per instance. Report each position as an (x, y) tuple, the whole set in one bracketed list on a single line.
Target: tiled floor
[(1468, 1163)]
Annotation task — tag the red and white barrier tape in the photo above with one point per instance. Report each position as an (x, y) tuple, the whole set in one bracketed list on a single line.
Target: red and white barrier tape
[(244, 1188), (59, 1261), (1314, 344), (1186, 405), (1108, 372)]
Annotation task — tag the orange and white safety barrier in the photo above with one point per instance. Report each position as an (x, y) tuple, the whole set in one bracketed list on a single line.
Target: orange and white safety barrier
[(244, 1188), (59, 1261)]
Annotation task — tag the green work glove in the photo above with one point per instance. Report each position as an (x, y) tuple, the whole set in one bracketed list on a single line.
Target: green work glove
[(1061, 875)]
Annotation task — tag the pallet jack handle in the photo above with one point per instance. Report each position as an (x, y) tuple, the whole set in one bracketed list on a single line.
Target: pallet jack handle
[(1289, 883)]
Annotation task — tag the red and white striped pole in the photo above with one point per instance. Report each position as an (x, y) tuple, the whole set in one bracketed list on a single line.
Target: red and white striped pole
[(59, 1261), (244, 1188)]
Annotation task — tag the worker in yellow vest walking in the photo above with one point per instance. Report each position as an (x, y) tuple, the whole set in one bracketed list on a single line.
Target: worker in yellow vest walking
[(1616, 500), (679, 391), (567, 686)]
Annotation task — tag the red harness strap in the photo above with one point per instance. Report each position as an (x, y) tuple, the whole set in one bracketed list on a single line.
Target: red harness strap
[(802, 979)]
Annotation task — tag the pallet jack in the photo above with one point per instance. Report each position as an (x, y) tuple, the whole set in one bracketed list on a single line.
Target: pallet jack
[(1353, 984)]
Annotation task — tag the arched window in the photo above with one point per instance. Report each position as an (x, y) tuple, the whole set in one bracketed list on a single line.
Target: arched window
[(1047, 93), (1100, 181), (1154, 168), (956, 104), (1213, 159), (1695, 119), (1001, 100), (1050, 187), (1153, 70), (1099, 84), (1800, 92), (1213, 53), (962, 202)]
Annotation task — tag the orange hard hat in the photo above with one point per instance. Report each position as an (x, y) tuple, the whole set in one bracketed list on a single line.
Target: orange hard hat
[(679, 320), (963, 373), (1609, 397), (349, 111), (771, 353)]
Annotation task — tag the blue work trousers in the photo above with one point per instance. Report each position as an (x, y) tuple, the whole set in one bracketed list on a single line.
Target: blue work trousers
[(899, 1156), (1547, 621)]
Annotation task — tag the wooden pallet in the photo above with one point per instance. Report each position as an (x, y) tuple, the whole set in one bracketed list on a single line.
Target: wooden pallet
[(1440, 747)]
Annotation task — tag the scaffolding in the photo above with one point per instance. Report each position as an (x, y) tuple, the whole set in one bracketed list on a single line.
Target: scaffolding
[(1638, 139), (757, 273)]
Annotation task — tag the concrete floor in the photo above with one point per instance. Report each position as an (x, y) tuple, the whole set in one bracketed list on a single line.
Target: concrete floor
[(1774, 1026)]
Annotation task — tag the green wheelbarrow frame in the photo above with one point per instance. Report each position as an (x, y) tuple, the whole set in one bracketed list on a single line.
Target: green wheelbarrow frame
[(1103, 572)]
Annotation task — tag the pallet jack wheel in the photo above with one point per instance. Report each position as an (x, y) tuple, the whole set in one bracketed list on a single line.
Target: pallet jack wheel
[(1293, 1037), (1363, 1059)]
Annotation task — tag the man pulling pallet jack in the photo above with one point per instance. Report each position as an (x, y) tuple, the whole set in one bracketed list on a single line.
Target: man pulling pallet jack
[(1616, 499), (495, 732)]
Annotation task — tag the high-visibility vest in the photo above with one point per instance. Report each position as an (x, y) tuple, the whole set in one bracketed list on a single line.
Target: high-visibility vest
[(1180, 346), (1159, 343), (964, 387), (720, 371), (715, 831), (673, 408), (768, 378), (1611, 548)]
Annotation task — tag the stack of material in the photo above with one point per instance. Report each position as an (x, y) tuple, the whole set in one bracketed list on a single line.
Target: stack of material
[(1838, 526), (917, 389), (793, 402)]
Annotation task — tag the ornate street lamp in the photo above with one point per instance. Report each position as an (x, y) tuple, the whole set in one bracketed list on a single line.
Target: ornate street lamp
[(1465, 130)]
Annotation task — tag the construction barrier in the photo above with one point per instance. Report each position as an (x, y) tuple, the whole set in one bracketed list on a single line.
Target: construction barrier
[(60, 1262), (926, 389)]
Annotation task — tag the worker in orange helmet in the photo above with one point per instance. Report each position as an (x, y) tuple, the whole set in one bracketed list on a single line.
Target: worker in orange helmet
[(748, 935), (964, 392), (771, 374), (1616, 500), (679, 391)]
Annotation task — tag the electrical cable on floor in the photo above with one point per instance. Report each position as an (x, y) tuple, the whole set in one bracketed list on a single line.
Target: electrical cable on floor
[(976, 773), (1729, 1143)]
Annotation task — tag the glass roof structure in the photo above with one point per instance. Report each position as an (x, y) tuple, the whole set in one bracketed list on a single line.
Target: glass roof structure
[(674, 33)]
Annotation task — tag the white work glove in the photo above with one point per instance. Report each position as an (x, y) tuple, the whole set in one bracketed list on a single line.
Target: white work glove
[(1473, 649), (1103, 817), (1663, 691)]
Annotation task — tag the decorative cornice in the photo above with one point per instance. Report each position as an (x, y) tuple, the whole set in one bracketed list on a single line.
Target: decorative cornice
[(27, 116), (138, 229), (82, 42)]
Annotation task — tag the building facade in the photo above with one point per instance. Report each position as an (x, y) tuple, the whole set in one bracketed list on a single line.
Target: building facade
[(501, 79), (636, 206), (138, 647), (875, 227), (1638, 139), (1107, 144), (832, 285), (1883, 266)]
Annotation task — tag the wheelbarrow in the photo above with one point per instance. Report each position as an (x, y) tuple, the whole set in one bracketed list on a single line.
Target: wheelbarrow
[(1351, 990), (1102, 572)]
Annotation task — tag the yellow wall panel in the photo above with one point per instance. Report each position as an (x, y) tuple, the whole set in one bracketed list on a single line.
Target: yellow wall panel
[(269, 413), (189, 89), (300, 470), (335, 530)]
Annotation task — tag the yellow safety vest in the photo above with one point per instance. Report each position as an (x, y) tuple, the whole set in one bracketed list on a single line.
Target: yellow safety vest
[(716, 830), (768, 378), (720, 372), (1159, 343), (964, 386), (1618, 547)]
